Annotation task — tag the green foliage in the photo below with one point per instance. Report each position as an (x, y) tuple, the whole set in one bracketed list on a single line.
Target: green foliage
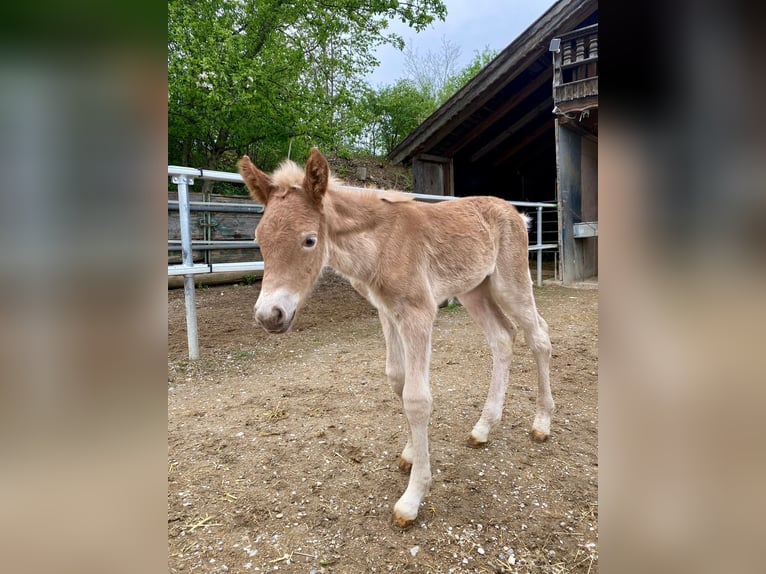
[(394, 111), (457, 81), (271, 79), (230, 189), (266, 76)]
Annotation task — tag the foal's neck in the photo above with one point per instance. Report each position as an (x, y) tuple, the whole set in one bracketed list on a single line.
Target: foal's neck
[(356, 228)]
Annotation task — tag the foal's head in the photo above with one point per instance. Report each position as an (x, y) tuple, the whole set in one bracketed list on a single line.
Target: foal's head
[(291, 235)]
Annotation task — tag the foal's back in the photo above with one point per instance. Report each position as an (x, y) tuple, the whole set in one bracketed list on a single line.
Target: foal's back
[(458, 242)]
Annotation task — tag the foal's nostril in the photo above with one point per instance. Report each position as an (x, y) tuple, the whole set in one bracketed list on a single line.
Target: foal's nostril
[(273, 317)]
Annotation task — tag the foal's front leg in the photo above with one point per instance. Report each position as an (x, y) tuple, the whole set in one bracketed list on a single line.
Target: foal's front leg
[(415, 334), (395, 363)]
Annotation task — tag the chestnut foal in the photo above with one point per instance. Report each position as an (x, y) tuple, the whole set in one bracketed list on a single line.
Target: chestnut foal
[(404, 257)]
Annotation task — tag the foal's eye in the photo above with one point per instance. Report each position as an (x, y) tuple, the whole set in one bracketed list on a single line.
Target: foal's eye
[(309, 241)]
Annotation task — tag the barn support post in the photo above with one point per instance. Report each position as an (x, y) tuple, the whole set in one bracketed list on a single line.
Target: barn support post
[(568, 268), (183, 182), (568, 172)]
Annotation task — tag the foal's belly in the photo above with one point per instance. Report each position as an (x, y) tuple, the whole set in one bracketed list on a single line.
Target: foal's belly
[(454, 286)]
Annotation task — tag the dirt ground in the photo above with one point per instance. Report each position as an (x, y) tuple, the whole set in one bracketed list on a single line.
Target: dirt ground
[(379, 173), (282, 450)]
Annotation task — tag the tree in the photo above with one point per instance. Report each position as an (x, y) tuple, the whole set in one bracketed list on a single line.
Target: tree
[(433, 70), (457, 81), (254, 76), (394, 111)]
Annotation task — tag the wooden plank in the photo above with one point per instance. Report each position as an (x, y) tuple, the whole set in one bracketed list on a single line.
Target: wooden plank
[(433, 158), (583, 62), (585, 31), (585, 229), (428, 177), (576, 90)]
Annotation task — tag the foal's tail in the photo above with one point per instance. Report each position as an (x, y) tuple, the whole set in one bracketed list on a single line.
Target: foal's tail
[(527, 220)]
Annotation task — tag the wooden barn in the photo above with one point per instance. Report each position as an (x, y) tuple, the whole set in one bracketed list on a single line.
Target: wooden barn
[(525, 128)]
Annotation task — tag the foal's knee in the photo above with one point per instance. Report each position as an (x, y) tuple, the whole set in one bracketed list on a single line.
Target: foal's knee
[(539, 342), (417, 408), (502, 345)]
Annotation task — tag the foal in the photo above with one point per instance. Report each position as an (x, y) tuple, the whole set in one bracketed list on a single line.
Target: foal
[(405, 257)]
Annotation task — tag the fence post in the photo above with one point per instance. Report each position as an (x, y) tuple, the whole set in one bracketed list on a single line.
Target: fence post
[(539, 245), (183, 182)]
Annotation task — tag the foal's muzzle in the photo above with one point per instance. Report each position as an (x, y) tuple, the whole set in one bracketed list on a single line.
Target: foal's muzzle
[(274, 319), (275, 311)]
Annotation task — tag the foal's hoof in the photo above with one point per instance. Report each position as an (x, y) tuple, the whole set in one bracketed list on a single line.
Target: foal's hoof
[(538, 436), (404, 465), (473, 442), (402, 522)]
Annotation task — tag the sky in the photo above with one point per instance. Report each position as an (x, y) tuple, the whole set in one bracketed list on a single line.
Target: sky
[(470, 24)]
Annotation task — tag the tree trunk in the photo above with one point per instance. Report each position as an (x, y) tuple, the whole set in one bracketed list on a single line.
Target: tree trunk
[(220, 146)]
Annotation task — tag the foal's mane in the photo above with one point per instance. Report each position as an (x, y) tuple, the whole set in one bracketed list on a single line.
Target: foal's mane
[(290, 175)]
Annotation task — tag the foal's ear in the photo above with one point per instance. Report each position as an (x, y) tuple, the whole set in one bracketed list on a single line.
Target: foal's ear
[(258, 183), (317, 176)]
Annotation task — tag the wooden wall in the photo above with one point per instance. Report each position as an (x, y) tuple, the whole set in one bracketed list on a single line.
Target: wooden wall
[(223, 226), (432, 175)]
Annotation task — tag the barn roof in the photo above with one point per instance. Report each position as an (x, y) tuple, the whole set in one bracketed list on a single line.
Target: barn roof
[(508, 106)]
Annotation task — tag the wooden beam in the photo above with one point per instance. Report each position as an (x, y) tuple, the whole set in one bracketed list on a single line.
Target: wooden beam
[(546, 76), (432, 158), (516, 126), (577, 127), (578, 105), (546, 127), (477, 103)]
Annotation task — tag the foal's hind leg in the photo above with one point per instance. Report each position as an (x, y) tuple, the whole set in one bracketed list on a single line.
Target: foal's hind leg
[(500, 334), (536, 333), (517, 299)]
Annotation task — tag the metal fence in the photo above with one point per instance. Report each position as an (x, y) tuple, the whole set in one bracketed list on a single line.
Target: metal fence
[(184, 177)]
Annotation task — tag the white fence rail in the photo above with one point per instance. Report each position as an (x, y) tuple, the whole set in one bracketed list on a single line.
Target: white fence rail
[(184, 177)]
